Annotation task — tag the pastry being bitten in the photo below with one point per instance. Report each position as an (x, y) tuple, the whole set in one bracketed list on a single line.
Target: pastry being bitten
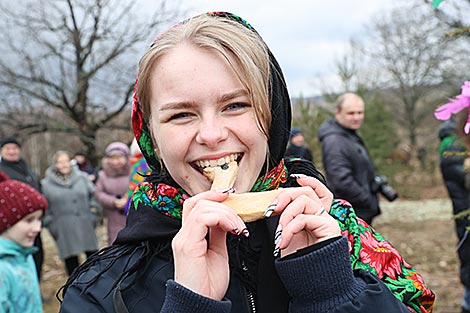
[(223, 176), (250, 206)]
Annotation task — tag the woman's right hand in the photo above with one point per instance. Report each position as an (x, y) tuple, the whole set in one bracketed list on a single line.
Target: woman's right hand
[(199, 248)]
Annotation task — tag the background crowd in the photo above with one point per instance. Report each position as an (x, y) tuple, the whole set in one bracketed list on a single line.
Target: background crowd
[(78, 197)]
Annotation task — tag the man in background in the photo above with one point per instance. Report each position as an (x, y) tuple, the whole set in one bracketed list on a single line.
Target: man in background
[(348, 167), (16, 168)]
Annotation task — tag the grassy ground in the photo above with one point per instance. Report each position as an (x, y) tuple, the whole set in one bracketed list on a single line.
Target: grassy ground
[(421, 230)]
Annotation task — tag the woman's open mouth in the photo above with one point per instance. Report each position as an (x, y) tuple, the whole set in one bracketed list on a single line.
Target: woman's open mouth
[(201, 164)]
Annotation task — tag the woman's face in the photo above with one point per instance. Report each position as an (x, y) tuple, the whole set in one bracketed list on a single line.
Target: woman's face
[(117, 161), (200, 112), (63, 164)]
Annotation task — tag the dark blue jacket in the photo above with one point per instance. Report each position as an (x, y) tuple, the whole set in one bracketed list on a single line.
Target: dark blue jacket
[(357, 291)]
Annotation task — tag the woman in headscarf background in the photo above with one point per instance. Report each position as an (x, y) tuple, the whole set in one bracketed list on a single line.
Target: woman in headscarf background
[(111, 187), (73, 212), (210, 90)]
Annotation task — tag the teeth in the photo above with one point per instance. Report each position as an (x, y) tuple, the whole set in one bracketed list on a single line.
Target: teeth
[(218, 162)]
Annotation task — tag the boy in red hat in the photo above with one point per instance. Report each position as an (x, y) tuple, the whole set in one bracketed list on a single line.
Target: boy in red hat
[(21, 209)]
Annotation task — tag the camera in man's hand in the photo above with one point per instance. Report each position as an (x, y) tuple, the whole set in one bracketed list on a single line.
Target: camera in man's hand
[(385, 189)]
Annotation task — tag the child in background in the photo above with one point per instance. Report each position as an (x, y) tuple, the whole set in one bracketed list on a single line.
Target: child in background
[(21, 210)]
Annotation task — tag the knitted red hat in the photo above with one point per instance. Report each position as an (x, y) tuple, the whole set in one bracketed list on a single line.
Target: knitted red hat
[(17, 200)]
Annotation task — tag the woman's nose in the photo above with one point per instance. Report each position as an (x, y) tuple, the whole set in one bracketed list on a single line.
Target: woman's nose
[(211, 132)]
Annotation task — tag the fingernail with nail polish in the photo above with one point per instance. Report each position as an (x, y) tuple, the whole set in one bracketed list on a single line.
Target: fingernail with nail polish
[(269, 211), (228, 190), (297, 175), (276, 252), (245, 232), (277, 237)]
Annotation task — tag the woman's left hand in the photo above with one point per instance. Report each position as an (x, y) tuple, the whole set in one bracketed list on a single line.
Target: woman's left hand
[(304, 216)]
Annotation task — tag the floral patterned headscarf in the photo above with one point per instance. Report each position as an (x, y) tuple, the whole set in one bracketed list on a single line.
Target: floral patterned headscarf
[(280, 111), (170, 201)]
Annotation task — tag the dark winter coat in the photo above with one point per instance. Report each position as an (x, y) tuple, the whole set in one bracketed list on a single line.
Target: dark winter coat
[(451, 158), (69, 218), (363, 292), (452, 154), (22, 172), (349, 169)]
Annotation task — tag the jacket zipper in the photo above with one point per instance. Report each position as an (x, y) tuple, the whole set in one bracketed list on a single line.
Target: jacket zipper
[(249, 295)]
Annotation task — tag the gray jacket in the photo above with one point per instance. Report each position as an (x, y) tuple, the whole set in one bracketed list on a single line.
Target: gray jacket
[(69, 218)]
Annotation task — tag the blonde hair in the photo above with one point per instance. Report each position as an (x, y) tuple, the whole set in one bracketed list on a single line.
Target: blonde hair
[(243, 49)]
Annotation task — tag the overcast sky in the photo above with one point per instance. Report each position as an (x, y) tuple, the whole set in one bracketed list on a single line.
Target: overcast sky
[(306, 36)]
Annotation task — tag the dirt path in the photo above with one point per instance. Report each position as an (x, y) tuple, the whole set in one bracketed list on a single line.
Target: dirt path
[(421, 230)]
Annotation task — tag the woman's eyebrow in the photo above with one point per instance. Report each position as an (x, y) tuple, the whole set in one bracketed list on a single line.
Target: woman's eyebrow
[(232, 95), (176, 105), (189, 104)]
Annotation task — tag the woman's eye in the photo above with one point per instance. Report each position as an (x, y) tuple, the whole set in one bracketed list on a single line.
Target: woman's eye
[(237, 106), (179, 116)]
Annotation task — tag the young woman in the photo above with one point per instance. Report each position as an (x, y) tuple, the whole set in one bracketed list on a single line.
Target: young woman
[(72, 215), (21, 210), (209, 90)]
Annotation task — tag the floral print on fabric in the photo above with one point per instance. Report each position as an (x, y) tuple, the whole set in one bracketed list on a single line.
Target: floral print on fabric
[(370, 251), (164, 198), (272, 180), (233, 17)]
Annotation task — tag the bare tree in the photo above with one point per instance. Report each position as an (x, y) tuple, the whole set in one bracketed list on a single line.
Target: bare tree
[(69, 65), (408, 49), (456, 15)]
